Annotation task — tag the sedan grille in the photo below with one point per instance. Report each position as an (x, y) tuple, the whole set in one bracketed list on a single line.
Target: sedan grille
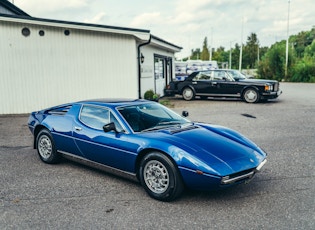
[(276, 87)]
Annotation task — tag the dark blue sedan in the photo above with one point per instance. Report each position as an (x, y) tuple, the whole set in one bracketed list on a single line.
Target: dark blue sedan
[(147, 142)]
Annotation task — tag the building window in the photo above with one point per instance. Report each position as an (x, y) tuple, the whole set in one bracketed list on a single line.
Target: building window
[(67, 32), (26, 32), (41, 33)]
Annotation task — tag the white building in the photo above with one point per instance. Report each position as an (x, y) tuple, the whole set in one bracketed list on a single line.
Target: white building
[(46, 62)]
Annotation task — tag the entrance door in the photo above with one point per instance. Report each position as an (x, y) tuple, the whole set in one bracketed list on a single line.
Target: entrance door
[(162, 71)]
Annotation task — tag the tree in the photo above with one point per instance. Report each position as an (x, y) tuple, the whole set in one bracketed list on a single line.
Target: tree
[(272, 65), (220, 55), (195, 54), (236, 56), (205, 51), (250, 55)]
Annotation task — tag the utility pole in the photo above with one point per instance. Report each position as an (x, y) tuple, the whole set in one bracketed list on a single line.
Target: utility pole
[(287, 45), (241, 50), (210, 56)]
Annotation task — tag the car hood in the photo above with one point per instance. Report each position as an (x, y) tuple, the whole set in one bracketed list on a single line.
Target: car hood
[(212, 149)]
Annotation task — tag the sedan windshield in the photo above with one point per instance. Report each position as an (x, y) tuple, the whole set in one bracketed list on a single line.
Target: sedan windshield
[(151, 116)]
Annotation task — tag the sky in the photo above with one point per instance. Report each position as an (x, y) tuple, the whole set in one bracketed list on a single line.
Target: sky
[(186, 23)]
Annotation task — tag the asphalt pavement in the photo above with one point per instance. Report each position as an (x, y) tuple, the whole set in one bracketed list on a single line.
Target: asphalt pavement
[(34, 195)]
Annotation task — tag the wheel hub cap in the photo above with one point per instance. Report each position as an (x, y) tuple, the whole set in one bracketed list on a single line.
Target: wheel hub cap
[(45, 147), (156, 176)]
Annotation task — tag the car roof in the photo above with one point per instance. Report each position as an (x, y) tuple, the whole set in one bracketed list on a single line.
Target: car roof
[(113, 102)]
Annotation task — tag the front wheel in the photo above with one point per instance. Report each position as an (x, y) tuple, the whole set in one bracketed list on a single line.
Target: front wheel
[(160, 177), (188, 94), (46, 148), (251, 95)]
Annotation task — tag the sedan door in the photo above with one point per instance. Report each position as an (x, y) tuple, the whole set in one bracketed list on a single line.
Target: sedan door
[(202, 84), (113, 149), (225, 84)]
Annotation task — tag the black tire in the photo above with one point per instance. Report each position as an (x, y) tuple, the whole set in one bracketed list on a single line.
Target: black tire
[(188, 94), (250, 95), (160, 177), (46, 148)]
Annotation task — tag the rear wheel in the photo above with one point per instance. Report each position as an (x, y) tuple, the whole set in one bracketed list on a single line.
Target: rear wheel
[(160, 177), (251, 95), (46, 148), (188, 94)]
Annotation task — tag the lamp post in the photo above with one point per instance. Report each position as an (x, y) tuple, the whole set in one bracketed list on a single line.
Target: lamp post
[(287, 45), (230, 58), (210, 54), (241, 51)]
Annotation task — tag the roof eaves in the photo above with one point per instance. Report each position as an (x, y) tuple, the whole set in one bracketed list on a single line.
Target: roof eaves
[(170, 45), (140, 33)]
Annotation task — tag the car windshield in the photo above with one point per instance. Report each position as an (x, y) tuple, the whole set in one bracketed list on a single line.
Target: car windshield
[(151, 116), (236, 74)]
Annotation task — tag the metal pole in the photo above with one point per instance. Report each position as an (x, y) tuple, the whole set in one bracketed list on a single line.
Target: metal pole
[(287, 45), (210, 56), (241, 51), (230, 61)]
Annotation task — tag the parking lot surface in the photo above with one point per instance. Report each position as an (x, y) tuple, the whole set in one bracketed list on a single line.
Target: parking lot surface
[(34, 195)]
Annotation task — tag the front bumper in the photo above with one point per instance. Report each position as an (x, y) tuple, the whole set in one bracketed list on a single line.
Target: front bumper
[(246, 176), (271, 95)]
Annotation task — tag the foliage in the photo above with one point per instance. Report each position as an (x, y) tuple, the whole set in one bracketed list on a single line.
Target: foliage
[(150, 95), (270, 62), (304, 70), (250, 56), (271, 65), (195, 54), (205, 51)]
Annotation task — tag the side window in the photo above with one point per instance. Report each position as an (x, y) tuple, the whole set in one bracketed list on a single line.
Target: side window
[(94, 117), (202, 76), (97, 117), (218, 75)]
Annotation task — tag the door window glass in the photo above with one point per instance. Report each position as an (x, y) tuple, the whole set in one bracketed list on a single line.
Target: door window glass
[(202, 76), (97, 117)]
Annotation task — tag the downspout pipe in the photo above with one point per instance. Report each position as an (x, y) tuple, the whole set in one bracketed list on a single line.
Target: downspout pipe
[(139, 65)]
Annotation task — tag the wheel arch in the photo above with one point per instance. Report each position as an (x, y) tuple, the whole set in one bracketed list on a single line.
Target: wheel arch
[(144, 152), (249, 87), (37, 129), (187, 86)]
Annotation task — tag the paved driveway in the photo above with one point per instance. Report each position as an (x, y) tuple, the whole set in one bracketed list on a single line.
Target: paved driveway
[(34, 195)]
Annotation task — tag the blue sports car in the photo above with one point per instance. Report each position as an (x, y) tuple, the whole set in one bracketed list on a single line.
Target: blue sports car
[(147, 142)]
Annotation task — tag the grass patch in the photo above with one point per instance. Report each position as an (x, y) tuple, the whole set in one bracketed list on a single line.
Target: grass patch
[(166, 103)]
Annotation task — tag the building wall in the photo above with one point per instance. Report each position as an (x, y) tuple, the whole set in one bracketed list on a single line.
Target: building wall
[(147, 67), (42, 71)]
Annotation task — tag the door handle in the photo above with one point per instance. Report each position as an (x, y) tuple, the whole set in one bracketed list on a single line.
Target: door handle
[(77, 128), (214, 83), (194, 83)]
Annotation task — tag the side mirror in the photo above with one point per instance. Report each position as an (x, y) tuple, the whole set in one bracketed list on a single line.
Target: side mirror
[(110, 127), (185, 114)]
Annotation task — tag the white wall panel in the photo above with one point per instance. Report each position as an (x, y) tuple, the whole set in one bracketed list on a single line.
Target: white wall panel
[(42, 71)]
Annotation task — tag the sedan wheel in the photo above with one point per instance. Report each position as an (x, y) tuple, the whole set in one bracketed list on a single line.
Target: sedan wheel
[(188, 94), (251, 95), (46, 148), (160, 177)]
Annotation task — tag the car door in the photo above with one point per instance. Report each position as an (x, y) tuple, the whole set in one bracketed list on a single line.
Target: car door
[(202, 83), (225, 84), (113, 149)]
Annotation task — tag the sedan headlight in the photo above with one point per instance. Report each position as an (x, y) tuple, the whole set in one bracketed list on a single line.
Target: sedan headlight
[(268, 87)]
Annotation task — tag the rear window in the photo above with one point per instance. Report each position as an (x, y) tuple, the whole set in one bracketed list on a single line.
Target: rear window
[(60, 110)]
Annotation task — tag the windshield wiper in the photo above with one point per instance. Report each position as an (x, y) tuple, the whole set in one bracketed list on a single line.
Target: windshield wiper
[(162, 125)]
